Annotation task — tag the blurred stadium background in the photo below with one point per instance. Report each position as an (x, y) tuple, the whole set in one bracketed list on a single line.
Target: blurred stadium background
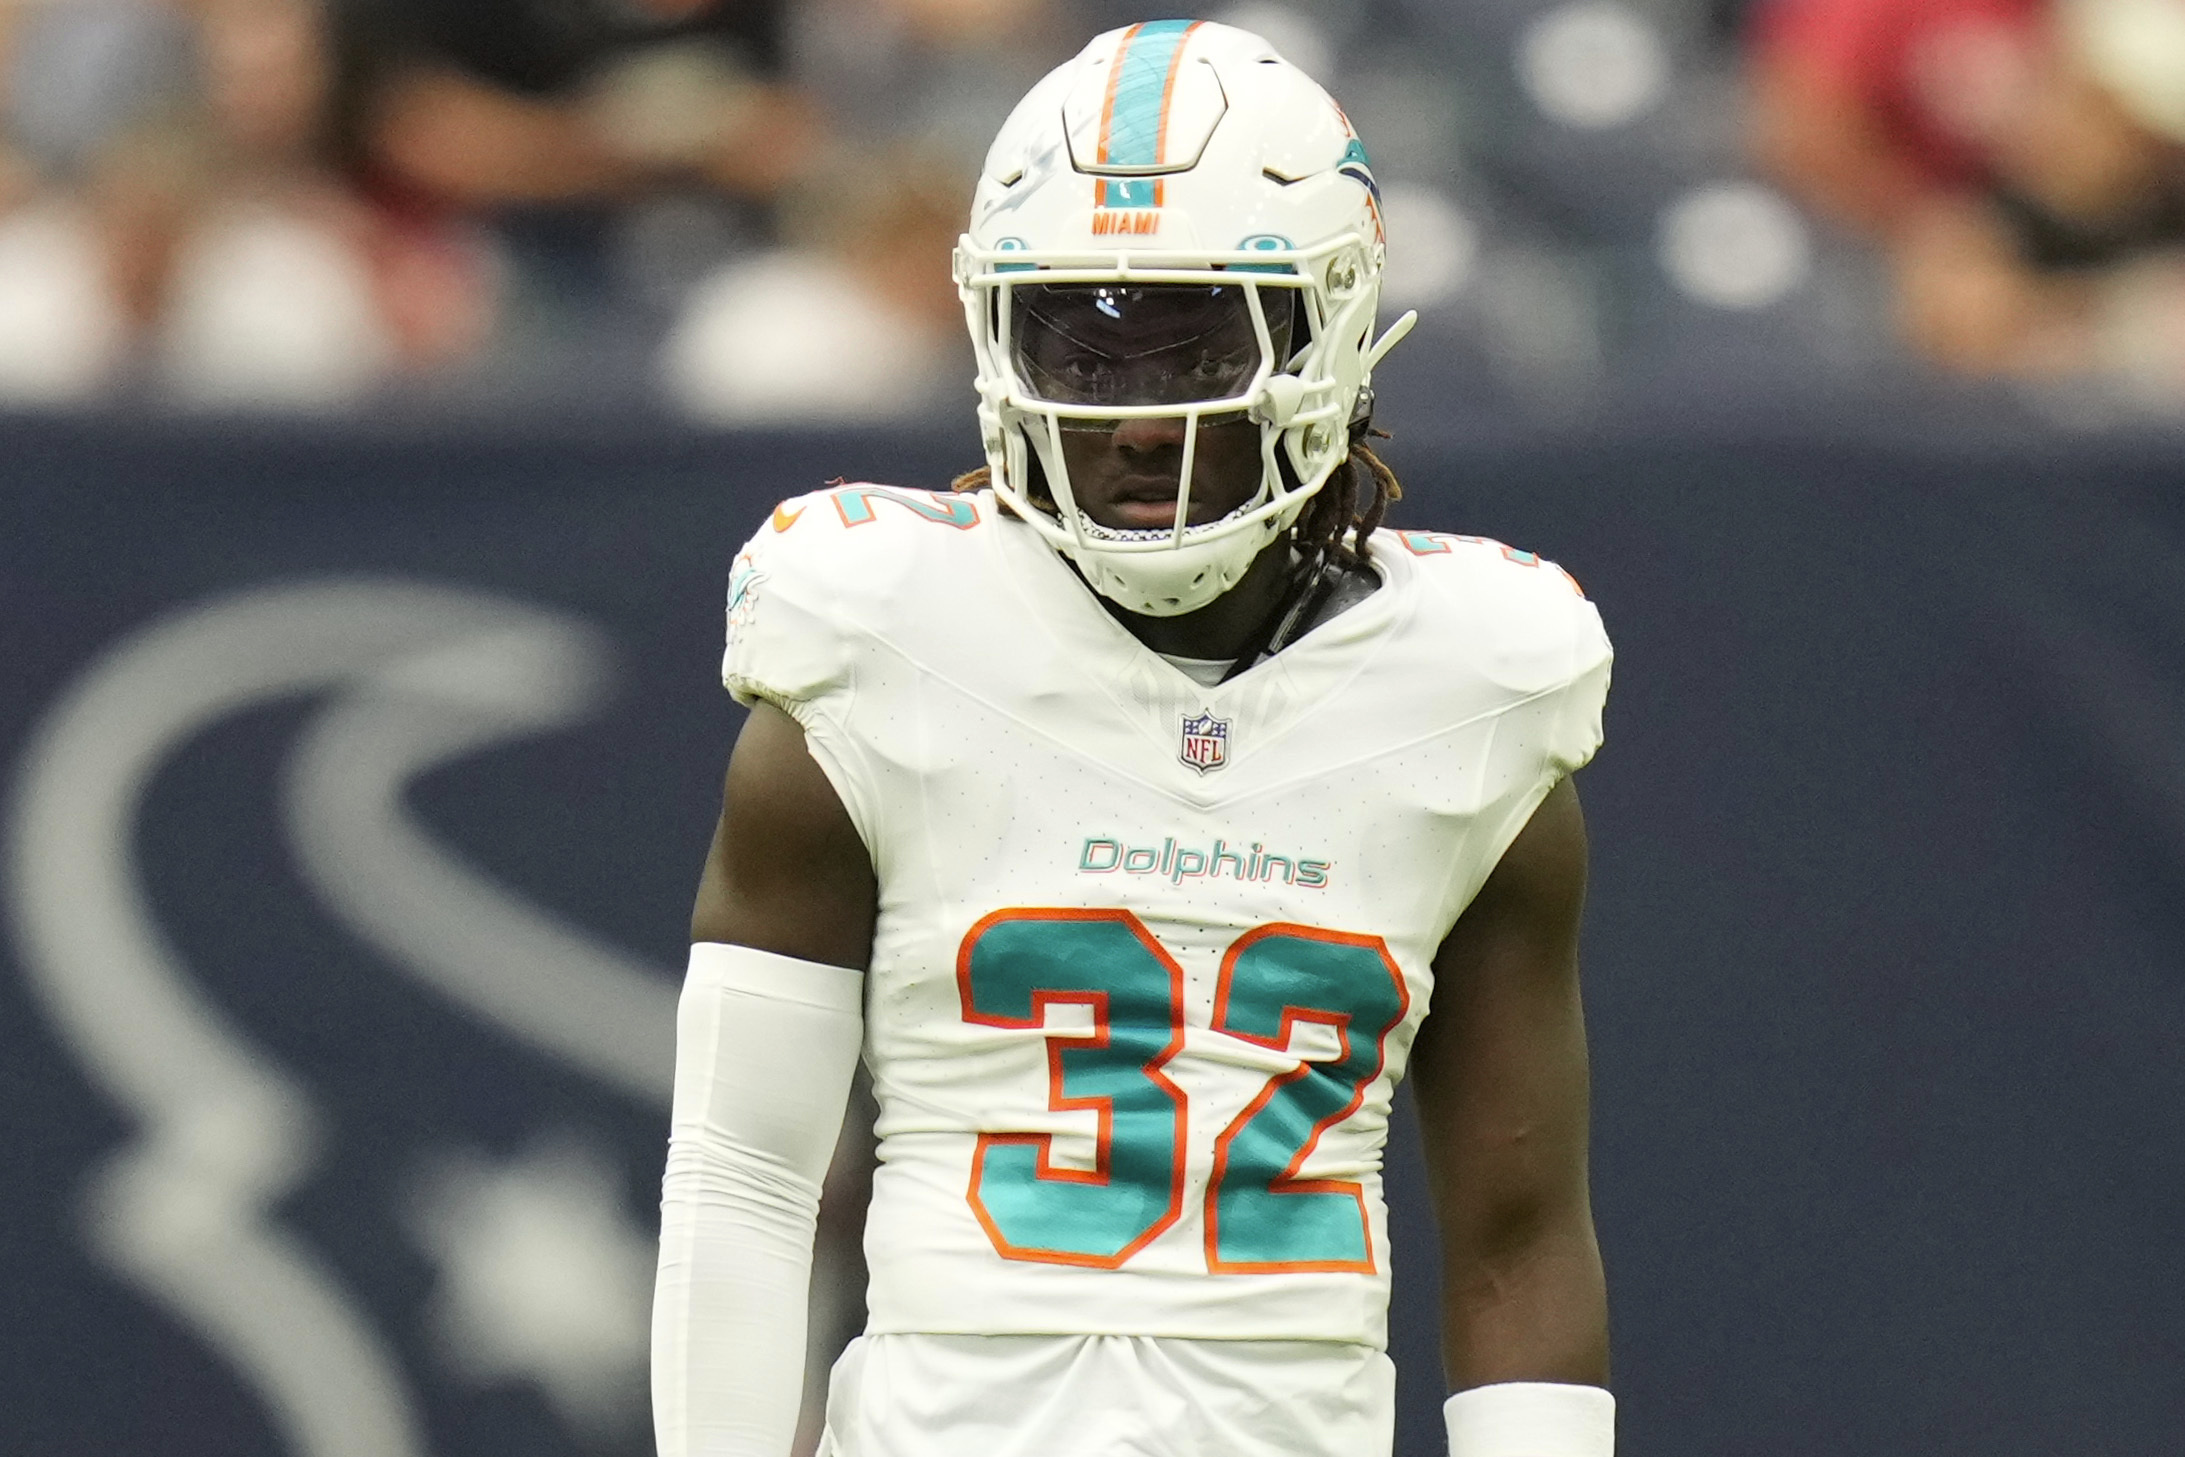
[(385, 384)]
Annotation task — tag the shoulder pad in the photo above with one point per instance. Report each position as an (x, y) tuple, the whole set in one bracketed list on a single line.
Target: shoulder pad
[(824, 568), (1473, 550), (1517, 617)]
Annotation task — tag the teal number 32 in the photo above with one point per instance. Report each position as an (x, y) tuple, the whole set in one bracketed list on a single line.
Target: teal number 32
[(1260, 1217)]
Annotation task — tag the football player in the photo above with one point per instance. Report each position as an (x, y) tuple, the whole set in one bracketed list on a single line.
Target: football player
[(1126, 810)]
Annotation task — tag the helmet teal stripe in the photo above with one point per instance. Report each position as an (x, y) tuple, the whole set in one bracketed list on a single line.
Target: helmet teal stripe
[(1133, 136)]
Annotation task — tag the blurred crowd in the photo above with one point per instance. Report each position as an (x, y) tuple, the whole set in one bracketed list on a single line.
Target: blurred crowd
[(308, 203), (2019, 165), (741, 210)]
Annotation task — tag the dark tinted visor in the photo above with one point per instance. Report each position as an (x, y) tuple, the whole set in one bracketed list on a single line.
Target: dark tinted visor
[(1139, 344)]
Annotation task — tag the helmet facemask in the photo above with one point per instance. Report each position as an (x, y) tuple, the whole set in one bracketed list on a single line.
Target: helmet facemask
[(1219, 201), (1207, 343)]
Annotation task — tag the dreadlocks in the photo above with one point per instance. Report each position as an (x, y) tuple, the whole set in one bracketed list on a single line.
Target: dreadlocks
[(1354, 502)]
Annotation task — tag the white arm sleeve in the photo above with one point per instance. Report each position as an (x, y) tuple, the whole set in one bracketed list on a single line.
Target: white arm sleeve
[(764, 1049)]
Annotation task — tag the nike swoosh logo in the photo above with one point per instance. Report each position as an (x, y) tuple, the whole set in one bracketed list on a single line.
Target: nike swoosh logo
[(785, 518)]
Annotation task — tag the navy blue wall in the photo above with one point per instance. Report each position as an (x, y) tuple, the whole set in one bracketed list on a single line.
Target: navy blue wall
[(1885, 963)]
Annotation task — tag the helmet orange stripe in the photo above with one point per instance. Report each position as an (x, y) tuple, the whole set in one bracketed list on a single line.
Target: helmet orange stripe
[(1115, 84), (1168, 94)]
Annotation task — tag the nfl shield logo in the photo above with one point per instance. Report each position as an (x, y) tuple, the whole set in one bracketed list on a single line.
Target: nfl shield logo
[(1206, 742)]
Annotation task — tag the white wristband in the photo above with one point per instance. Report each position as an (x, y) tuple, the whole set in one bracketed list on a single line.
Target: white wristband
[(1531, 1419)]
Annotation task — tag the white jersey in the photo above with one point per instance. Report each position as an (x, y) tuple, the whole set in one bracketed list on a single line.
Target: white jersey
[(1150, 955)]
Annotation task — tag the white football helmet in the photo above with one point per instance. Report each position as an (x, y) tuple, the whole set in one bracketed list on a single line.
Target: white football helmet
[(1189, 155)]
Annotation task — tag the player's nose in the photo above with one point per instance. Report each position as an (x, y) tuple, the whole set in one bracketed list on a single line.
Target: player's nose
[(1148, 433)]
